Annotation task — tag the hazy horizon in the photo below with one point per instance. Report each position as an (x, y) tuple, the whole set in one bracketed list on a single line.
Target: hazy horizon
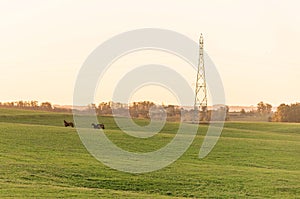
[(254, 46)]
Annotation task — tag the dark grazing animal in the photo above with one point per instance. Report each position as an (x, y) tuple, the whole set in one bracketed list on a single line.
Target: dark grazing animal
[(98, 126), (68, 124)]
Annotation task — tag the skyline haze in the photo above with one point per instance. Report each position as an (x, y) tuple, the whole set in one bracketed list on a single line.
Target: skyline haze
[(254, 46)]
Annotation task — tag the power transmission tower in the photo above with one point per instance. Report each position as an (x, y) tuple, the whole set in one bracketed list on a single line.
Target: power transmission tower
[(200, 104)]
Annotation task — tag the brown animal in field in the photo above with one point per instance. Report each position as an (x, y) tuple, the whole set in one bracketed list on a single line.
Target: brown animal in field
[(68, 124), (98, 126)]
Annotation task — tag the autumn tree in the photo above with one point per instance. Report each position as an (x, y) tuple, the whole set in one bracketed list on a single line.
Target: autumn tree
[(264, 108), (243, 112), (287, 113), (46, 106)]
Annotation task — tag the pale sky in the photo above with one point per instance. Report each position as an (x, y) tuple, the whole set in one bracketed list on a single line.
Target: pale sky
[(254, 44)]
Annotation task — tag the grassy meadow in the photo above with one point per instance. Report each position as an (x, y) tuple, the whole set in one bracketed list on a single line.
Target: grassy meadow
[(40, 158)]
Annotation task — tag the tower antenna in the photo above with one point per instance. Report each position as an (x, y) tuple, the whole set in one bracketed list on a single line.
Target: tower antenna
[(200, 103)]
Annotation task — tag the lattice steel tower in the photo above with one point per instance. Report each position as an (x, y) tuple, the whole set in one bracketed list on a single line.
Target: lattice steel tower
[(200, 90)]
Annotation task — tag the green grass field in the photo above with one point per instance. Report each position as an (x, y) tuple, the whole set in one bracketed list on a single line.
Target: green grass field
[(40, 158)]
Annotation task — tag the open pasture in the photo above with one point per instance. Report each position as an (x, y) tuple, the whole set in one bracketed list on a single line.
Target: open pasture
[(40, 158)]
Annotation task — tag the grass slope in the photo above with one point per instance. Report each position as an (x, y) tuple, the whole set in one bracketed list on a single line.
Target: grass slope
[(40, 158)]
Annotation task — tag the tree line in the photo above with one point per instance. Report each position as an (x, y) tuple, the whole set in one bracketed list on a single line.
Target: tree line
[(143, 109), (283, 113), (33, 105), (287, 113), (147, 109)]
